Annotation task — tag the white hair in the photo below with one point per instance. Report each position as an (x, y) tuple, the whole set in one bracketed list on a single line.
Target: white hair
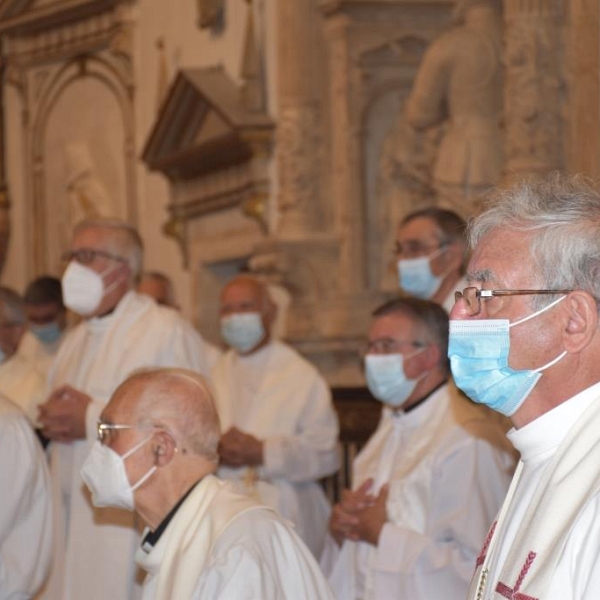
[(562, 213), (125, 240)]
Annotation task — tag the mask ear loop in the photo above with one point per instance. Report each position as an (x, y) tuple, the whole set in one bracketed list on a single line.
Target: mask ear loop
[(535, 314), (539, 312), (422, 375)]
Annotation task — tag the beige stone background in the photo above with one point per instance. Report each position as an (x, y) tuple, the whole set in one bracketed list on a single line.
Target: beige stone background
[(269, 135)]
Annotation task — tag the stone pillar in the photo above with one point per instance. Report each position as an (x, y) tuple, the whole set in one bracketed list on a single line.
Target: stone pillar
[(4, 197), (582, 74), (299, 136), (533, 87)]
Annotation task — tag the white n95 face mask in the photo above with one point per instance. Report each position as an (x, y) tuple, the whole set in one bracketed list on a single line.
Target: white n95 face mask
[(83, 289), (242, 331), (104, 474)]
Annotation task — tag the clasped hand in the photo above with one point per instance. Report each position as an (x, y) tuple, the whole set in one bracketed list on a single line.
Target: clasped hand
[(62, 416), (360, 516), (238, 449)]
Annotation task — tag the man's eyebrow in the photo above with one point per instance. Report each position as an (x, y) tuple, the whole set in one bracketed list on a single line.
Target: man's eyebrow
[(482, 275)]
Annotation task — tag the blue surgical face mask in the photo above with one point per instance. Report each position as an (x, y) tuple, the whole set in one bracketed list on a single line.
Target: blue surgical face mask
[(415, 276), (478, 352), (242, 331), (386, 379), (48, 333)]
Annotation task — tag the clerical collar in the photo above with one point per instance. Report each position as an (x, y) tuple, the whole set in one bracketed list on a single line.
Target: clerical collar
[(422, 400), (151, 538)]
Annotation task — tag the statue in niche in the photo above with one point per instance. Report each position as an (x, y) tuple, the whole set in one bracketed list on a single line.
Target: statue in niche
[(459, 84), (403, 185), (86, 194)]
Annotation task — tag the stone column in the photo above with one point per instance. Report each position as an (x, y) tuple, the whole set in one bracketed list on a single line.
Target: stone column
[(4, 197), (299, 136), (533, 87)]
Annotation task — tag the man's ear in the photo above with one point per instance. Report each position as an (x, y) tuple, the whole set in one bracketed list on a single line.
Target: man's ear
[(581, 324), (163, 448)]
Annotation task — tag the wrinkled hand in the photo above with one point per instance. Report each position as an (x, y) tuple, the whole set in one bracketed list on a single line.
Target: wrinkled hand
[(344, 516), (371, 519), (239, 449), (62, 416)]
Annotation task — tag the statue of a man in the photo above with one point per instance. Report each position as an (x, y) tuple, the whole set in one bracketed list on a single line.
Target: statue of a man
[(459, 83)]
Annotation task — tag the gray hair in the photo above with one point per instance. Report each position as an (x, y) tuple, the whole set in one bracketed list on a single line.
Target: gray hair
[(125, 240), (12, 306), (562, 213)]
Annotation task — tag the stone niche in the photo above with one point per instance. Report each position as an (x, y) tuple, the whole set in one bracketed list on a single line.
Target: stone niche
[(73, 154), (310, 203)]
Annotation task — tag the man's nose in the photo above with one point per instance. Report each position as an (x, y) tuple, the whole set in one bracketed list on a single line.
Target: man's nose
[(459, 311)]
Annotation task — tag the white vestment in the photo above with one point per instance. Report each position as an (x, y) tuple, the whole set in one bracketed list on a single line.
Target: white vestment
[(546, 541), (95, 357), (277, 396), (22, 384), (446, 483), (25, 507), (224, 546), (39, 354)]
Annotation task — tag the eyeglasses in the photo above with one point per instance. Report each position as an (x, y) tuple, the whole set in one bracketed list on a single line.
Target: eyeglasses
[(388, 346), (104, 429), (87, 255), (472, 296), (413, 249)]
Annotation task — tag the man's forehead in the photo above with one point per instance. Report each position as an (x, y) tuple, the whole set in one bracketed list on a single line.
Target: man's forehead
[(391, 324), (121, 405), (418, 228), (242, 289), (91, 236), (502, 256)]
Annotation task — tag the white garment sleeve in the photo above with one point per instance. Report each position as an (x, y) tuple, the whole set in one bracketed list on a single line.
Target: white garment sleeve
[(468, 486), (312, 452), (25, 530)]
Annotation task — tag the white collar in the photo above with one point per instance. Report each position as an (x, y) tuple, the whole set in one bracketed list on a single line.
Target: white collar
[(537, 439)]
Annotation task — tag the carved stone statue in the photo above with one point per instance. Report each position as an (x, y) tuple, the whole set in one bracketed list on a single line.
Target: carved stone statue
[(86, 194), (459, 83)]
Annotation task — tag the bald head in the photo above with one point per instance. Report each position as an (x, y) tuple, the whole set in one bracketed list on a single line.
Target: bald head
[(176, 399), (245, 293), (247, 297)]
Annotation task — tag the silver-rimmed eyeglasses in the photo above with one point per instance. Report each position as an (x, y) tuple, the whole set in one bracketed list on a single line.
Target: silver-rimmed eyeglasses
[(472, 296), (388, 346), (87, 255), (105, 429)]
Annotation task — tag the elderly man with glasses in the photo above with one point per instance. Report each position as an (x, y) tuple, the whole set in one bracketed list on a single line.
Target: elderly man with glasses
[(121, 331), (525, 340), (157, 454), (429, 481)]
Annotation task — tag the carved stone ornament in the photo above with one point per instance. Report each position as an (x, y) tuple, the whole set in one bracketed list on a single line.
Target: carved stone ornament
[(209, 12), (534, 87), (214, 150)]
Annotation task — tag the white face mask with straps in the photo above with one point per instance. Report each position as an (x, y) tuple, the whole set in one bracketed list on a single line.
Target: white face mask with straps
[(83, 289), (104, 474)]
